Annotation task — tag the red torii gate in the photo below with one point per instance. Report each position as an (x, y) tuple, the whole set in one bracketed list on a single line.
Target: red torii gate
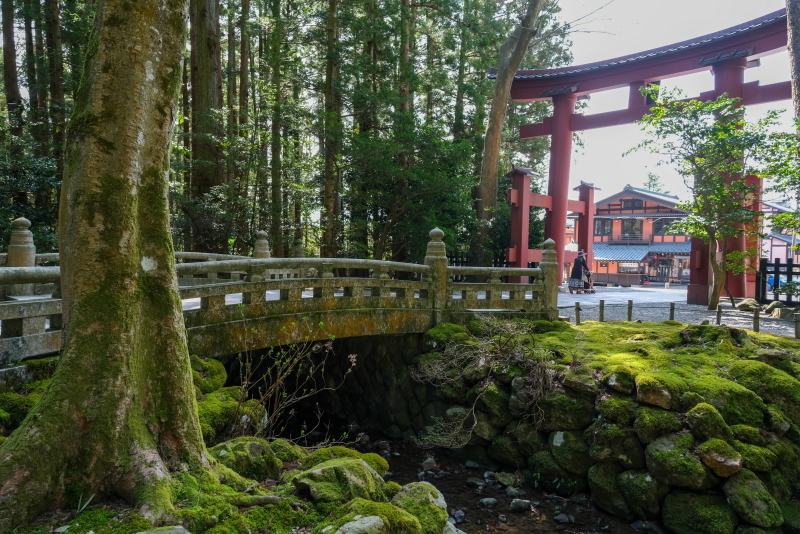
[(726, 54)]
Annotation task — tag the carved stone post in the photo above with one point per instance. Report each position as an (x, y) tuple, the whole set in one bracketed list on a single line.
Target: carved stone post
[(552, 278), (260, 251), (436, 259), (21, 253)]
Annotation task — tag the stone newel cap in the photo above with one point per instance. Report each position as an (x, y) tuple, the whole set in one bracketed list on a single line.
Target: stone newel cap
[(21, 223), (436, 234)]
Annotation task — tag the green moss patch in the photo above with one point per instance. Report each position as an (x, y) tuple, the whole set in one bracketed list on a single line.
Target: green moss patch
[(208, 374), (691, 513), (375, 461), (706, 423), (424, 502), (397, 521), (250, 457), (651, 423)]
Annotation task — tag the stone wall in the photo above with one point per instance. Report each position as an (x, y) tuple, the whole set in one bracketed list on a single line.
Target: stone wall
[(379, 393)]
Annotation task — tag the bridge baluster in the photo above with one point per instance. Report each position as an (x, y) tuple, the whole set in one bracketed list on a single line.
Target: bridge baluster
[(212, 302), (326, 290), (26, 326)]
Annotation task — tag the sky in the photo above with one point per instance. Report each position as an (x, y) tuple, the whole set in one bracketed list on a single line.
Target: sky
[(628, 26)]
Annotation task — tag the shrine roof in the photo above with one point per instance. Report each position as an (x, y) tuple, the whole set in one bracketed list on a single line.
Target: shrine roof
[(649, 54)]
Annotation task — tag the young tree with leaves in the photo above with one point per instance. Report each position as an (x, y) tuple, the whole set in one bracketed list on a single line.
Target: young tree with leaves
[(714, 149)]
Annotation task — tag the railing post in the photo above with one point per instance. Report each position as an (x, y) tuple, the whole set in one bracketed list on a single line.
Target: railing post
[(260, 251), (671, 311), (21, 253), (436, 259), (602, 311), (757, 320), (797, 325), (577, 313), (719, 314), (552, 279), (630, 310)]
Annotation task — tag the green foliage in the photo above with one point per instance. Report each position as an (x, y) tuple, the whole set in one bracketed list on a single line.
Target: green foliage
[(711, 145)]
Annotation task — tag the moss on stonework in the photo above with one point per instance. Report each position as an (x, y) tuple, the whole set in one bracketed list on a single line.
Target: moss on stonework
[(375, 461), (754, 457), (397, 521), (250, 457), (98, 521), (208, 374), (690, 513), (651, 423), (441, 334), (392, 488), (706, 423), (425, 503), (619, 410), (772, 385), (286, 451), (748, 434)]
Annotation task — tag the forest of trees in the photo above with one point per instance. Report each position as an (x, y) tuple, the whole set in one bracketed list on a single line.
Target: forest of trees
[(344, 128)]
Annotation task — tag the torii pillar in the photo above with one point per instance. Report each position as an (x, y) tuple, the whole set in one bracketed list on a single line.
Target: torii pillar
[(558, 182)]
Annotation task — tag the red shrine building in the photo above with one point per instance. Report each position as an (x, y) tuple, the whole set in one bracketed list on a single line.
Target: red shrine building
[(725, 54)]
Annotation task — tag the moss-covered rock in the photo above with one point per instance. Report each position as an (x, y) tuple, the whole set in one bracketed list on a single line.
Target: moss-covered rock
[(606, 494), (772, 385), (396, 520), (755, 458), (749, 529), (691, 513), (737, 404), (659, 389), (562, 412), (749, 498), (620, 378), (424, 502), (612, 443), (545, 472), (670, 460), (651, 423), (441, 334), (286, 451), (571, 452), (526, 437), (777, 421), (208, 374), (580, 381), (492, 398), (748, 434), (375, 461), (340, 480), (504, 450), (643, 493), (707, 423), (218, 410), (249, 457), (618, 410), (720, 457), (791, 518), (484, 429)]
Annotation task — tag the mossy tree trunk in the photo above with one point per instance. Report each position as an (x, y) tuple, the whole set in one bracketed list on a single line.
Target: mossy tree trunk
[(120, 413)]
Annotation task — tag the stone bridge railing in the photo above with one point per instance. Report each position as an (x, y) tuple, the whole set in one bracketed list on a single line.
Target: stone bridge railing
[(249, 309)]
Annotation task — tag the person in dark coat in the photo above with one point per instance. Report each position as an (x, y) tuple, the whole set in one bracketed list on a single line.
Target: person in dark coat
[(576, 276)]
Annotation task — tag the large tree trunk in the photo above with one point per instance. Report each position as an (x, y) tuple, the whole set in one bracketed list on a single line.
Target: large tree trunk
[(333, 119), (10, 81), (512, 52), (57, 104), (119, 415), (276, 161), (793, 21), (206, 79)]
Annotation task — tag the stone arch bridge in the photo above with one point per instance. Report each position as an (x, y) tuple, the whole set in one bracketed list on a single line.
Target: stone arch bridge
[(234, 304)]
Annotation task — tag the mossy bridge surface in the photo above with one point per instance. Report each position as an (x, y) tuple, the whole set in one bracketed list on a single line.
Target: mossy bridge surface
[(235, 304)]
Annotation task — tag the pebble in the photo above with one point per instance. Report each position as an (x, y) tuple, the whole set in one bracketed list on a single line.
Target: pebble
[(502, 518), (512, 492), (421, 476), (489, 502), (59, 530), (395, 454), (459, 516), (506, 479), (520, 505), (388, 474), (564, 518), (469, 464), (475, 482), (488, 475), (451, 520), (651, 527)]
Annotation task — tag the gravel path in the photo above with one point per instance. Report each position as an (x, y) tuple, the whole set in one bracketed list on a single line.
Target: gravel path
[(650, 305)]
